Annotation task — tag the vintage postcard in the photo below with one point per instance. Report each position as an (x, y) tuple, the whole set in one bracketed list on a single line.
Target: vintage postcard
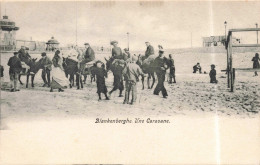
[(130, 82)]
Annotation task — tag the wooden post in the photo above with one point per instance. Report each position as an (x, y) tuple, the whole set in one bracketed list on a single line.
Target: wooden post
[(228, 85), (233, 88), (230, 60)]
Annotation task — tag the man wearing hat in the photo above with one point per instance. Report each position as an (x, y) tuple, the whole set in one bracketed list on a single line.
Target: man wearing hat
[(149, 50), (89, 55), (212, 74), (46, 63), (116, 51), (15, 68), (131, 73), (172, 69), (160, 66)]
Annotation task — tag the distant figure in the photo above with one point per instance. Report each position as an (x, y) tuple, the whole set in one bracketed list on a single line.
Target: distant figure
[(172, 69), (25, 58), (15, 68), (161, 67), (1, 75), (46, 62), (212, 74), (89, 54), (196, 68), (116, 51), (100, 72), (131, 73), (256, 63), (149, 50)]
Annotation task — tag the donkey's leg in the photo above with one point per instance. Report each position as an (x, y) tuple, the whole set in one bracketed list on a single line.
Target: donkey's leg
[(32, 79), (153, 80), (77, 80), (148, 80), (81, 82), (71, 79), (19, 78), (27, 80), (85, 78), (143, 81)]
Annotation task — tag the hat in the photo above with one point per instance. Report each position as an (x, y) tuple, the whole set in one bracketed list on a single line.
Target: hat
[(15, 53), (26, 48), (126, 49), (147, 42), (112, 42), (161, 50), (213, 65), (43, 54), (86, 43)]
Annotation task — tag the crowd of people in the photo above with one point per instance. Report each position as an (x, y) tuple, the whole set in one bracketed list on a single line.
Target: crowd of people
[(125, 67)]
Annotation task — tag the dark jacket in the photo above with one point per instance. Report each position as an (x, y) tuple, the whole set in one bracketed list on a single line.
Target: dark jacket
[(15, 65), (89, 55), (101, 84), (160, 65), (1, 71), (25, 57), (149, 51), (46, 62), (256, 62), (117, 53)]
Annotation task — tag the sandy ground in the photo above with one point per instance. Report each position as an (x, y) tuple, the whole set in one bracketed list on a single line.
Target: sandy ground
[(192, 95)]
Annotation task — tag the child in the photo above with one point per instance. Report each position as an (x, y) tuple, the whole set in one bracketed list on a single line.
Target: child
[(100, 73), (212, 74)]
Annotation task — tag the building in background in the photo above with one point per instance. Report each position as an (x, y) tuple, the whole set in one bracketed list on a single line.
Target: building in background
[(217, 41), (52, 44)]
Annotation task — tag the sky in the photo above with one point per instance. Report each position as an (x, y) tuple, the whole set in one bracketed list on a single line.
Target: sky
[(170, 24)]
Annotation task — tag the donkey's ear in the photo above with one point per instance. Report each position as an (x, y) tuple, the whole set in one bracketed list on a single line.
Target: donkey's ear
[(105, 58)]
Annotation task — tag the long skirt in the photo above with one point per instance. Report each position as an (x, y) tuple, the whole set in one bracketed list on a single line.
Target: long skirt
[(59, 80)]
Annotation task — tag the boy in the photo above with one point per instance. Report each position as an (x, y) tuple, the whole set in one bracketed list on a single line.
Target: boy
[(100, 73), (212, 74)]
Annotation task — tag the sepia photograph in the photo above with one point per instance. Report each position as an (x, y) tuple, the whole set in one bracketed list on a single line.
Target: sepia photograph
[(130, 82)]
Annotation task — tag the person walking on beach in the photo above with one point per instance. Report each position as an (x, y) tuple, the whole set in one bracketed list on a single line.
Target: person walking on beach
[(212, 74), (46, 62), (256, 63), (100, 72), (172, 69), (131, 73), (15, 68), (161, 67)]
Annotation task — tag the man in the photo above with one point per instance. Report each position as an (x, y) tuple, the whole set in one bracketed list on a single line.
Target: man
[(116, 51), (46, 62), (161, 67), (15, 68), (89, 54), (172, 69), (149, 51), (196, 68), (212, 74), (131, 73), (24, 55)]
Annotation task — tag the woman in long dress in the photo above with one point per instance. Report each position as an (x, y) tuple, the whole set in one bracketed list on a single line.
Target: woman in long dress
[(59, 79), (256, 65)]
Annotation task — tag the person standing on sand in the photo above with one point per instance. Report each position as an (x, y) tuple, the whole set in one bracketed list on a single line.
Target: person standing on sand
[(46, 71), (161, 67), (131, 73), (172, 69), (256, 63), (212, 74), (15, 68), (100, 72)]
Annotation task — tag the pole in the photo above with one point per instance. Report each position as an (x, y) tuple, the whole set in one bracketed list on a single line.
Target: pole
[(191, 39), (128, 40), (256, 33)]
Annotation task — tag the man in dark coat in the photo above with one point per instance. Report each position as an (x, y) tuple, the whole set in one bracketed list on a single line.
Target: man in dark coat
[(89, 54), (256, 65), (160, 66), (46, 71), (15, 68), (24, 55), (149, 51), (116, 51), (212, 74), (172, 69)]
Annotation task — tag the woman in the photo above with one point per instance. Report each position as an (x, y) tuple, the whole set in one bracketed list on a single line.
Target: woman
[(256, 63), (59, 80)]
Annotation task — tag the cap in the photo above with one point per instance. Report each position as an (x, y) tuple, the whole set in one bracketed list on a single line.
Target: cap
[(86, 43), (126, 49), (213, 65), (26, 48), (161, 50), (15, 53)]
